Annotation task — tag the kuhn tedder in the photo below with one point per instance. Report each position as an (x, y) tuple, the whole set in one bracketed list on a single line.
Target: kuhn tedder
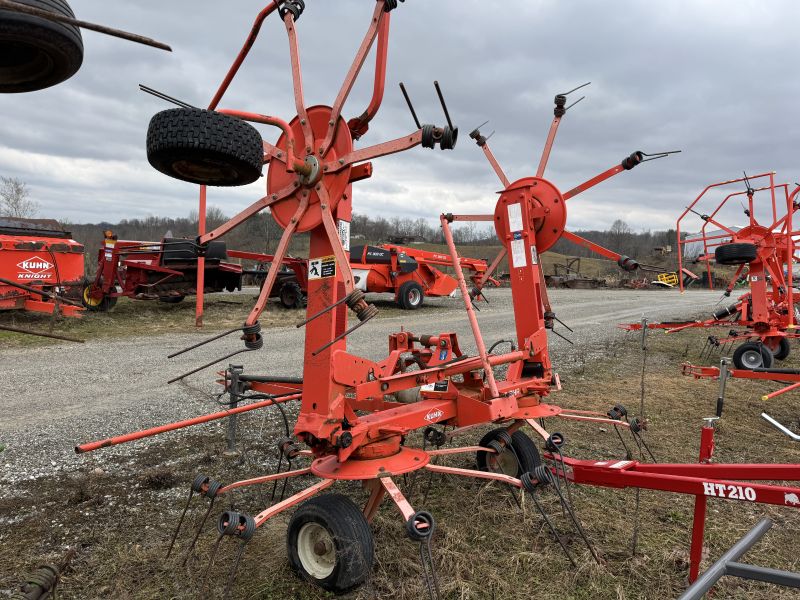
[(349, 417), (764, 257)]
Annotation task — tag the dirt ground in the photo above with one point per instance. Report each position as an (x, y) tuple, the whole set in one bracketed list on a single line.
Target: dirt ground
[(118, 509)]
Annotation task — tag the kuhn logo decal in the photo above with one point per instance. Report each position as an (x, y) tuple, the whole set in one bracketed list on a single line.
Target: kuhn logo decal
[(434, 415), (34, 268)]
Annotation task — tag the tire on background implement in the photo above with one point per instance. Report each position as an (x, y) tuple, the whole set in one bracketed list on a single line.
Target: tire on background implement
[(329, 543), (204, 147), (746, 356), (37, 53), (784, 348), (735, 254), (172, 299), (410, 295), (523, 446), (105, 304), (291, 295)]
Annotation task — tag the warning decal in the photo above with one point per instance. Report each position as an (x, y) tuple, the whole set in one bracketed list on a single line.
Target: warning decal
[(322, 267)]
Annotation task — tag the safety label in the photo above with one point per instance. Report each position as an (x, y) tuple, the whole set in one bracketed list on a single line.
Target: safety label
[(322, 267), (344, 234), (534, 256), (519, 257), (515, 217)]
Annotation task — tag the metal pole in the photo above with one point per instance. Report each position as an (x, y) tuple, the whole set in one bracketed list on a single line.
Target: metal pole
[(234, 391), (780, 427), (707, 580)]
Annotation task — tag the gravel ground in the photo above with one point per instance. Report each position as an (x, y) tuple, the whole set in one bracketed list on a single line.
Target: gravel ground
[(55, 396)]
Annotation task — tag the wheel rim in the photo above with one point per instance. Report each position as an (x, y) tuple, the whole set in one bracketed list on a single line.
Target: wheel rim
[(505, 463), (752, 359), (87, 298), (316, 550), (414, 297)]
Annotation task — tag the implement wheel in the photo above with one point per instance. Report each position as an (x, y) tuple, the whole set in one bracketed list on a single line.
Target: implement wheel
[(506, 462), (735, 254), (291, 295), (205, 147), (330, 544), (752, 355), (37, 53), (783, 350), (104, 304), (410, 296)]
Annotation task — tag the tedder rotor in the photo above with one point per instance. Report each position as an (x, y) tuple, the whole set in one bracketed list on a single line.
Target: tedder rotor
[(351, 418)]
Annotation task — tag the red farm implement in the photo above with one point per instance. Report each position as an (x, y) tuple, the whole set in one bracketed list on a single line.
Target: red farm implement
[(168, 271), (410, 274), (41, 267), (352, 425)]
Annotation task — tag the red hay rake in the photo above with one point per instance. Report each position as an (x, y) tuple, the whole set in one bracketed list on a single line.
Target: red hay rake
[(349, 419)]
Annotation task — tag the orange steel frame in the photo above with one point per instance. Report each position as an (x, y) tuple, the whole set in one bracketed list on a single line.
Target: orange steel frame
[(352, 430)]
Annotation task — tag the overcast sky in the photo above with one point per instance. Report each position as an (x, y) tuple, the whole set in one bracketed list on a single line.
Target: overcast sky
[(716, 79)]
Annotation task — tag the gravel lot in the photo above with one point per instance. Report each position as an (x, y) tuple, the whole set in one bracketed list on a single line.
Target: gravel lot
[(55, 396)]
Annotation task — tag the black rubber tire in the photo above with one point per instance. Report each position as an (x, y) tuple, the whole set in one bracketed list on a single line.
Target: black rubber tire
[(37, 53), (351, 536), (735, 254), (744, 356), (525, 449), (104, 305), (410, 296), (291, 295), (784, 349), (204, 147), (171, 299)]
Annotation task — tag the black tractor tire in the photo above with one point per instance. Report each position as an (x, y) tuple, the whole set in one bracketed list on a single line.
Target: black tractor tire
[(204, 147), (329, 543), (746, 356), (526, 460), (291, 295), (784, 348), (410, 296), (735, 254), (172, 299), (103, 305), (37, 53)]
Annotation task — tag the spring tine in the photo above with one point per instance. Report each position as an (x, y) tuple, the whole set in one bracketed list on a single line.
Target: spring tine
[(204, 342), (199, 531), (275, 482), (628, 454), (578, 526), (552, 529), (562, 337), (204, 584), (444, 106), (564, 324), (180, 522), (164, 96), (341, 336), (583, 85), (323, 311), (574, 103), (410, 106), (210, 364), (234, 568)]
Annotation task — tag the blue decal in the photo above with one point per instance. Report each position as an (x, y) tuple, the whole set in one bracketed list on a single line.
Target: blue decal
[(517, 235), (443, 354)]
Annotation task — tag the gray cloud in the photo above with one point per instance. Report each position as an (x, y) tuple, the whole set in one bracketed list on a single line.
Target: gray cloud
[(711, 78)]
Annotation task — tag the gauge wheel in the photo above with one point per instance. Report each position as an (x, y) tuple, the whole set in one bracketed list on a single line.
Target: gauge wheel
[(506, 462), (752, 355), (104, 304), (330, 544), (410, 296)]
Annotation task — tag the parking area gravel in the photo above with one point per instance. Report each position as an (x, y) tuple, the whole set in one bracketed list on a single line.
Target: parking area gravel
[(54, 396)]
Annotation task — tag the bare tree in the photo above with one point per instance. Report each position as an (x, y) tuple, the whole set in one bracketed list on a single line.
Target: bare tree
[(14, 201)]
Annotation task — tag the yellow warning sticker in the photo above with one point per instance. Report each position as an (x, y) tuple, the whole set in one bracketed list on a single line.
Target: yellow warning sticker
[(322, 267)]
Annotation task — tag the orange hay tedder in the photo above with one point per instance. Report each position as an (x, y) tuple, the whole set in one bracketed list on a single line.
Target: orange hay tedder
[(351, 421), (41, 267)]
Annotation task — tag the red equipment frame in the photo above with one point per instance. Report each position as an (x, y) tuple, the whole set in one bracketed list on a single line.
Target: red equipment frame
[(353, 430), (389, 277), (135, 269)]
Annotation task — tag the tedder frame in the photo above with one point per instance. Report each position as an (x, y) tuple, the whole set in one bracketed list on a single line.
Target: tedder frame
[(353, 426)]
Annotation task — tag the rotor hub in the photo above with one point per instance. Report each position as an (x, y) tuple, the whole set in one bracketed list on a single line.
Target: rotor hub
[(543, 207)]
